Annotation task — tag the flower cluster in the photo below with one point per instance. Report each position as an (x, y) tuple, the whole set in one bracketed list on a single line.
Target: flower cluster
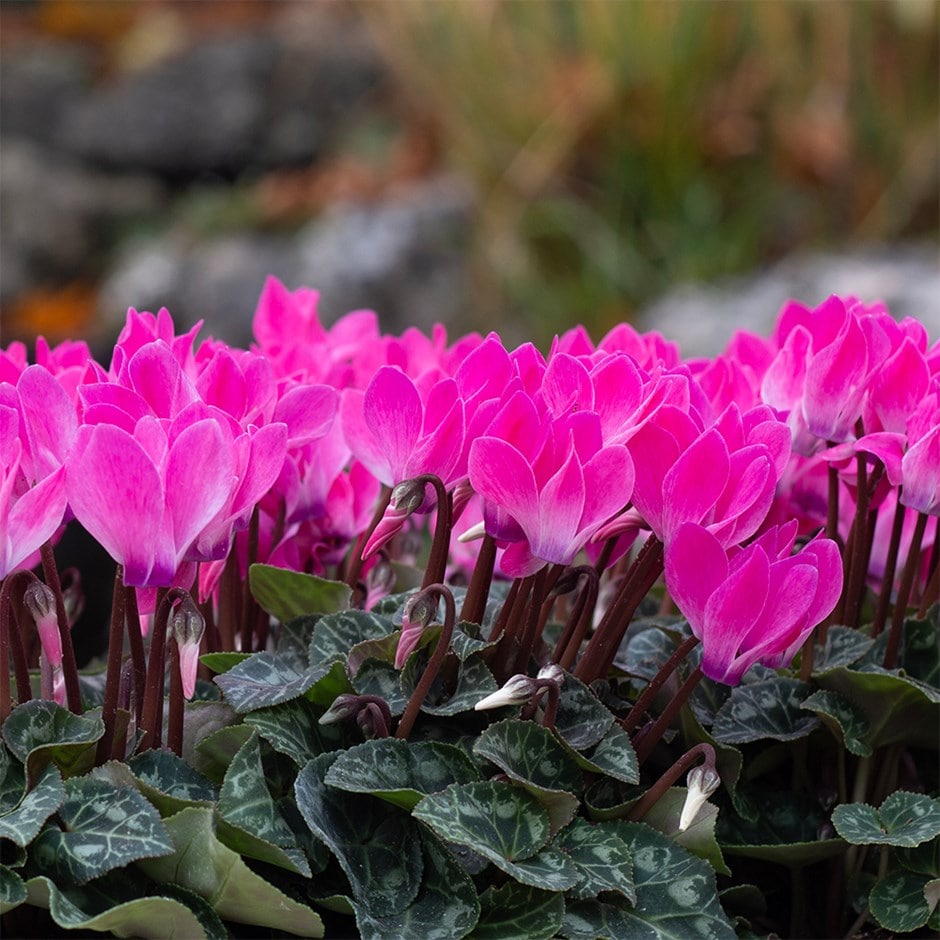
[(326, 451)]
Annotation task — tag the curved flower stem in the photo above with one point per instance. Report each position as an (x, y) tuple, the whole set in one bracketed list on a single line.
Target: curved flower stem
[(355, 558), (891, 566), (474, 603), (566, 649), (553, 693), (152, 713), (636, 713), (656, 791), (174, 725), (904, 592), (112, 685), (434, 663), (436, 568), (73, 693), (11, 643), (652, 734)]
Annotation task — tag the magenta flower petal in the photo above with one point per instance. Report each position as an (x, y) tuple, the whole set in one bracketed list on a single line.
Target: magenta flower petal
[(920, 468), (308, 411), (32, 519), (561, 506), (695, 482), (695, 566), (499, 473), (122, 510)]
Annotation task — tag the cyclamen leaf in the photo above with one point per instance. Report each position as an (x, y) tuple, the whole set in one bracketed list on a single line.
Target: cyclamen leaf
[(675, 891), (582, 720), (201, 863), (605, 920), (12, 889), (23, 823), (287, 594), (145, 917), (165, 773), (898, 902), (446, 907), (336, 634), (377, 677), (767, 709), (40, 731), (844, 646), (264, 680), (106, 828), (613, 755), (216, 751), (401, 772), (847, 723), (293, 729), (376, 845), (474, 682), (602, 859), (904, 819), (699, 838), (899, 709), (246, 802), (519, 912), (530, 755), (504, 824)]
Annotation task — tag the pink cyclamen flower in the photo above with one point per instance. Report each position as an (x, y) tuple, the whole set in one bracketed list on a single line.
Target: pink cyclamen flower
[(549, 487), (146, 496), (756, 605)]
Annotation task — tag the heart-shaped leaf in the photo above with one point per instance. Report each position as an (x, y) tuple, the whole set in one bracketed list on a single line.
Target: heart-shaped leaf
[(770, 708), (287, 594), (293, 729), (530, 755), (336, 634), (519, 912), (39, 732), (376, 845), (601, 857), (847, 723), (23, 823), (843, 647), (504, 824), (164, 772), (446, 907), (203, 865), (105, 828), (474, 682), (401, 772), (582, 720), (898, 902), (264, 680), (904, 819), (12, 889)]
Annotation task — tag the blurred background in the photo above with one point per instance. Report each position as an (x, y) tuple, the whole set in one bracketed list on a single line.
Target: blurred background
[(519, 166)]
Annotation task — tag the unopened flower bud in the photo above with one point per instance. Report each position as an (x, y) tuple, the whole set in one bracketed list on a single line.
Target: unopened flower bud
[(372, 722), (409, 496), (702, 783), (420, 610), (517, 690), (552, 673), (344, 706), (40, 602), (188, 626)]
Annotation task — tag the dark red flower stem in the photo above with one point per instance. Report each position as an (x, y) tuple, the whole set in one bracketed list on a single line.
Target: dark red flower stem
[(531, 623), (904, 592), (932, 590), (655, 793), (354, 565), (174, 726), (152, 716), (579, 619), (136, 643), (649, 737), (73, 694), (249, 609), (636, 714), (11, 642), (891, 566), (112, 684), (603, 645), (505, 612), (473, 608), (552, 692), (434, 663), (436, 569)]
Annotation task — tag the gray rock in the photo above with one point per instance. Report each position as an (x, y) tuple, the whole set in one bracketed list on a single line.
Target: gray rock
[(199, 112), (40, 81), (403, 258), (703, 318), (56, 214)]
